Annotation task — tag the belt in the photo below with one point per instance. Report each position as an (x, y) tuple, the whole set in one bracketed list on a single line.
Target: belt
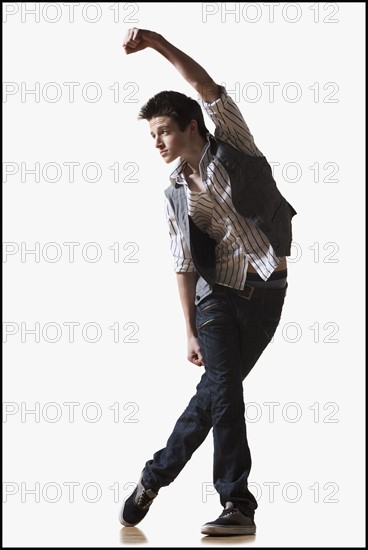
[(252, 292)]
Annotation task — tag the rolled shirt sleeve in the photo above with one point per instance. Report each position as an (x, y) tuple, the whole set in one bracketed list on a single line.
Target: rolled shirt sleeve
[(230, 124), (182, 258)]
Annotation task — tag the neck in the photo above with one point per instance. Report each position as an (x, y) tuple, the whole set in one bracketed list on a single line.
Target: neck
[(194, 155)]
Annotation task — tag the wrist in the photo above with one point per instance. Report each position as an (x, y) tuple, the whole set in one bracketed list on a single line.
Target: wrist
[(190, 326), (159, 43), (156, 40)]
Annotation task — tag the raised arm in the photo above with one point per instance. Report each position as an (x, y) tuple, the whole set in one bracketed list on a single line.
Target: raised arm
[(138, 39)]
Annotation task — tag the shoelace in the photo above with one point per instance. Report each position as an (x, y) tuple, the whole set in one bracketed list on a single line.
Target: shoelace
[(228, 512), (144, 500)]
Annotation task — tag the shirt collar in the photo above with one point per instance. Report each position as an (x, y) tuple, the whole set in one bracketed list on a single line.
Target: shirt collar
[(177, 175)]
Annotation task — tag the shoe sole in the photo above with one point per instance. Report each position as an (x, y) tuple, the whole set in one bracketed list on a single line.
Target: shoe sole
[(228, 530), (125, 523)]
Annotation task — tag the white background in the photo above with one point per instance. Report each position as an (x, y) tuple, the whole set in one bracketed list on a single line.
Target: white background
[(312, 450)]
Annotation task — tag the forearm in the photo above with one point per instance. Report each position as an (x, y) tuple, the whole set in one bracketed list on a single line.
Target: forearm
[(187, 288), (139, 39), (190, 70)]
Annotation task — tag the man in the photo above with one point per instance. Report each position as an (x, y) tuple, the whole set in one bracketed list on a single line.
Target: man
[(230, 234)]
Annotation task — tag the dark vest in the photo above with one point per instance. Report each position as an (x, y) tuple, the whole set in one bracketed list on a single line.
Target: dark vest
[(255, 196)]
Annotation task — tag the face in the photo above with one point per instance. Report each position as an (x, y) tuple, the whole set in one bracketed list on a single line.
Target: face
[(170, 141)]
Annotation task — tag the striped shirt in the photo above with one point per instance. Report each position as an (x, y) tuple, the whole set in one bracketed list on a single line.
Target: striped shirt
[(239, 242)]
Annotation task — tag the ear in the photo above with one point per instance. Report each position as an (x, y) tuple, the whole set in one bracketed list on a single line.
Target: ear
[(193, 126)]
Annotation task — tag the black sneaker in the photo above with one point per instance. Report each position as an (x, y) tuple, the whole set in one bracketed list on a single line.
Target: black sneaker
[(230, 522), (137, 505)]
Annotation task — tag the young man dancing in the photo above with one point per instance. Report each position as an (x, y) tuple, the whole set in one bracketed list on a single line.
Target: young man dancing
[(230, 232)]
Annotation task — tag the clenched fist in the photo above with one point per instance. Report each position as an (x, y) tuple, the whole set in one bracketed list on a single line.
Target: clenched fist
[(138, 39), (194, 354)]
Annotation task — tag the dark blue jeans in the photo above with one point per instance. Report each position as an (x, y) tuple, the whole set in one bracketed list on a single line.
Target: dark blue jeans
[(232, 332)]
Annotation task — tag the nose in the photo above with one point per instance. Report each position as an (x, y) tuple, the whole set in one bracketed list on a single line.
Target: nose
[(158, 142)]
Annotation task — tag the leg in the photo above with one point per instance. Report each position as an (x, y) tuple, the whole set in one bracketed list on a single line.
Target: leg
[(219, 333), (190, 431)]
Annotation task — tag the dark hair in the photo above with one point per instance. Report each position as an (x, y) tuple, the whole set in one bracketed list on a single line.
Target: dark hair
[(179, 107)]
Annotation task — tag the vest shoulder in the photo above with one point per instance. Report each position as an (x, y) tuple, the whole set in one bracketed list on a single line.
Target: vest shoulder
[(226, 150), (175, 194), (169, 191)]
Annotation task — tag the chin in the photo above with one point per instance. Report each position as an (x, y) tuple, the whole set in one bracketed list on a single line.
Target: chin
[(167, 159)]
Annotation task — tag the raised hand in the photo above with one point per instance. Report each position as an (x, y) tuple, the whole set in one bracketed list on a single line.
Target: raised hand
[(138, 39)]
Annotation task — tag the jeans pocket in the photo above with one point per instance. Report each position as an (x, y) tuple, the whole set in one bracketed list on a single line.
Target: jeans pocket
[(213, 309), (212, 305)]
